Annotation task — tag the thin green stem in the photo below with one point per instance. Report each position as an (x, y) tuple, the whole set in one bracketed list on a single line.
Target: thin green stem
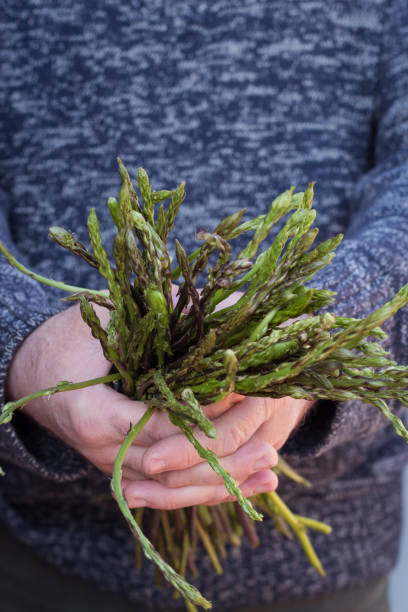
[(209, 547), (43, 279), (289, 472), (314, 524), (299, 529), (213, 461), (63, 385), (187, 591), (117, 470)]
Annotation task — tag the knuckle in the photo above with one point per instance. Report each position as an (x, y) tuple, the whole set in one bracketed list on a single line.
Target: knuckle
[(147, 464), (269, 454), (234, 439), (187, 457), (172, 480)]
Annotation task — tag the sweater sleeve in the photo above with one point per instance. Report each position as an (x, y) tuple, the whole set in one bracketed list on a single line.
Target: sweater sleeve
[(371, 263), (24, 305)]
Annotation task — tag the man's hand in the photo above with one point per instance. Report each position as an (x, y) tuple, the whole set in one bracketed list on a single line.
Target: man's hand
[(248, 435), (95, 420), (161, 469)]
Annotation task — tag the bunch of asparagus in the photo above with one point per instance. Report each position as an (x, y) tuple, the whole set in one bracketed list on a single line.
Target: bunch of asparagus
[(178, 355)]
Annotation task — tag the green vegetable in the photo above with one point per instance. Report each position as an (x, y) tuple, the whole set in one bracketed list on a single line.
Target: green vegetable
[(179, 356)]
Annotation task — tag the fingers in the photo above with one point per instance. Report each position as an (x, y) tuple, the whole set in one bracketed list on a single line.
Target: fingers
[(128, 473), (99, 420), (102, 411), (123, 412), (116, 413), (100, 416), (283, 421), (252, 457), (235, 427), (155, 495), (216, 409), (255, 455)]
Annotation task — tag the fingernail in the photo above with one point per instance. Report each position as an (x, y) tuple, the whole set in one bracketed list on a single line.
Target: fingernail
[(156, 465), (262, 463)]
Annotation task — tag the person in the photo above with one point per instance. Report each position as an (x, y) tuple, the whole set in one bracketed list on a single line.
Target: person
[(241, 100)]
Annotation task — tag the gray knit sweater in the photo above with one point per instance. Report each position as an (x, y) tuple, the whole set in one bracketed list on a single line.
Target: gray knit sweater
[(241, 99)]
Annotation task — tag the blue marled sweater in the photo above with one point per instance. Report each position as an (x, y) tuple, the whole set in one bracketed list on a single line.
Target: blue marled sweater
[(241, 99)]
